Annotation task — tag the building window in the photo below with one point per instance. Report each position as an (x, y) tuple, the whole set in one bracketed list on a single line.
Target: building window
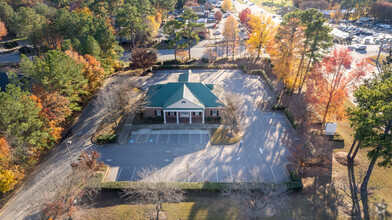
[(196, 113), (214, 112), (158, 112), (172, 113)]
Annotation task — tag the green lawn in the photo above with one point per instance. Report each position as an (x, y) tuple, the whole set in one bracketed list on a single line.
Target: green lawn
[(193, 208), (219, 136)]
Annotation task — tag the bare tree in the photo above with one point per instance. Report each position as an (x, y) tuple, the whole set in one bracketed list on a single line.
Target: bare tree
[(117, 100), (143, 58), (255, 198), (77, 185), (153, 189), (139, 104), (231, 116)]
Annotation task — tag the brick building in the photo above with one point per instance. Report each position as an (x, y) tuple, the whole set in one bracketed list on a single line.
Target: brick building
[(185, 101)]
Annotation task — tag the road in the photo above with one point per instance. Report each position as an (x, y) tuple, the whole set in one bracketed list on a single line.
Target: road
[(56, 166)]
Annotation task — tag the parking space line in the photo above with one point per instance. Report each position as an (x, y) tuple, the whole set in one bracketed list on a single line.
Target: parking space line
[(200, 137), (273, 174), (179, 137), (231, 175), (158, 137), (190, 136), (133, 174), (118, 174), (202, 175), (168, 137), (148, 135), (216, 170)]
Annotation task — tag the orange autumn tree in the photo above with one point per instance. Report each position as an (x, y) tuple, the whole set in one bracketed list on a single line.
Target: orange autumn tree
[(3, 30), (92, 69), (9, 173), (54, 109), (332, 80)]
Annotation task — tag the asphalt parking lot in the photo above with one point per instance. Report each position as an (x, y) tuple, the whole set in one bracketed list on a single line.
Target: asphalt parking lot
[(186, 155)]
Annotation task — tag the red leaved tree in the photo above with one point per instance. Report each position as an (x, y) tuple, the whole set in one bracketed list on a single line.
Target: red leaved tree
[(331, 82), (143, 58), (244, 15), (218, 16)]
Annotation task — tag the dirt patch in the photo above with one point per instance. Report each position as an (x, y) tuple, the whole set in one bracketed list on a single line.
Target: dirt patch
[(341, 157)]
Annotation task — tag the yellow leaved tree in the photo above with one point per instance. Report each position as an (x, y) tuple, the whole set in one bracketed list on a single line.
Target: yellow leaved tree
[(226, 5), (285, 52), (262, 30)]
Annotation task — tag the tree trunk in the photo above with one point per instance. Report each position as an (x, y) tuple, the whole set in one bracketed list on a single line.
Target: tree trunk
[(301, 84), (356, 209), (258, 52), (299, 67), (364, 187)]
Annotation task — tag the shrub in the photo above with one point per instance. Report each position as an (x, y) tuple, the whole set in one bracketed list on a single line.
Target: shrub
[(159, 62), (190, 61), (295, 185), (204, 59), (10, 45), (219, 118), (294, 176), (278, 107), (25, 50), (106, 138), (170, 62), (243, 68), (209, 118)]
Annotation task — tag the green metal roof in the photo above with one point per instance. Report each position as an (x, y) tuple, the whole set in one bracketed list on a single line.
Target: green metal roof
[(164, 95)]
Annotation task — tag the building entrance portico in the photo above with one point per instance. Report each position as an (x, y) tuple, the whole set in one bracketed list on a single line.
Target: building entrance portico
[(181, 114)]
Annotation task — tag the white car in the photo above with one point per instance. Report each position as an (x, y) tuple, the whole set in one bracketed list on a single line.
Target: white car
[(217, 32)]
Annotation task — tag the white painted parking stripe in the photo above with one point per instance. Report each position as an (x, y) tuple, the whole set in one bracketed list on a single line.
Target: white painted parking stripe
[(133, 173), (200, 137), (168, 137), (119, 173), (273, 174), (231, 175), (158, 137), (190, 135), (216, 170), (202, 175)]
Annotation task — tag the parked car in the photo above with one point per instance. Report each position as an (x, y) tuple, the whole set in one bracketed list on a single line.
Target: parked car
[(361, 47), (367, 41), (217, 32)]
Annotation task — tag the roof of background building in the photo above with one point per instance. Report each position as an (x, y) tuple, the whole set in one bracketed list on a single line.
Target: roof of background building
[(187, 93)]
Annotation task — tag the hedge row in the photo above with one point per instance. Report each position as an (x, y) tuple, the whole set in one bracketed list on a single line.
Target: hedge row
[(291, 118), (264, 75), (183, 67), (188, 187), (287, 112)]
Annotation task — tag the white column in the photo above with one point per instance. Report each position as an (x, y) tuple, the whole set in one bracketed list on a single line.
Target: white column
[(190, 117), (164, 116), (178, 121), (202, 117)]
